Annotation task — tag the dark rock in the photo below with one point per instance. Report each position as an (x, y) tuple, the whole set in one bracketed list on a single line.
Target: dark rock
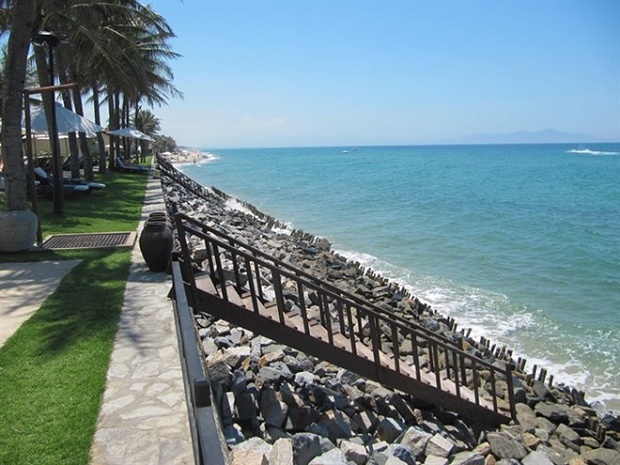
[(388, 429), (417, 439), (541, 390), (467, 458), (553, 412), (299, 418), (219, 373), (568, 436), (555, 455), (366, 421), (274, 373), (503, 446), (306, 446), (337, 425), (602, 457), (402, 407), (233, 435), (402, 453), (353, 452), (272, 409)]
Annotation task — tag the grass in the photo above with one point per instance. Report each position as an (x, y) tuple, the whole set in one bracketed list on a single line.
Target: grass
[(115, 208), (53, 369)]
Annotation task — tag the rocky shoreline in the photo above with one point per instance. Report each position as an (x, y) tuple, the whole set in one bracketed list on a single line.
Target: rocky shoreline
[(280, 406)]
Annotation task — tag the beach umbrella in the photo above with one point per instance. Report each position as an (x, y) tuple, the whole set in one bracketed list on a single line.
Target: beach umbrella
[(67, 121), (131, 133)]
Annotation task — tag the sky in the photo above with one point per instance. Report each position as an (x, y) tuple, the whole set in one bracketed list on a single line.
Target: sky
[(319, 73)]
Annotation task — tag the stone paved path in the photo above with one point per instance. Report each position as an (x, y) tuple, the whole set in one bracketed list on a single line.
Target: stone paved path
[(143, 419)]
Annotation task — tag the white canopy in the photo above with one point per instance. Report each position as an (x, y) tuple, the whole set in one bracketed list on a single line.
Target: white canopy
[(130, 132), (66, 121)]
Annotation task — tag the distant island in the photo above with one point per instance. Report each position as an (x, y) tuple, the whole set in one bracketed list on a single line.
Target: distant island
[(546, 136)]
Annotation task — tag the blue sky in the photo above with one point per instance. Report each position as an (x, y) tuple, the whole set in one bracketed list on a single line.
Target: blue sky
[(308, 73)]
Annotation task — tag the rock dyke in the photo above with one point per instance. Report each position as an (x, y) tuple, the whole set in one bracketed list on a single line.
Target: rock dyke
[(280, 406)]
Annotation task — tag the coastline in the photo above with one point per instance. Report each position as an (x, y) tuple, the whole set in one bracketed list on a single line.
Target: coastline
[(235, 215), (473, 308), (186, 156)]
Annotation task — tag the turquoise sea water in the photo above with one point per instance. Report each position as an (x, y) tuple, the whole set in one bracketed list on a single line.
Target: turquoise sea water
[(521, 243)]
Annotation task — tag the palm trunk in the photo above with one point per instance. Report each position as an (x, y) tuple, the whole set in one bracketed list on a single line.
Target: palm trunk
[(74, 153), (79, 109), (12, 100), (113, 125), (103, 168)]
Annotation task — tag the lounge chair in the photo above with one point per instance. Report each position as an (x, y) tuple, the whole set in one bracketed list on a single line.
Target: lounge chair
[(129, 168), (46, 184), (42, 175)]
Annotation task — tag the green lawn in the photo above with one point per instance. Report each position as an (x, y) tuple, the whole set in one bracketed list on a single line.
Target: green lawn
[(53, 369)]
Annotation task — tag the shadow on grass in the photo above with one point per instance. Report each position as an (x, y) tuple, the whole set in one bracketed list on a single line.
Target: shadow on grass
[(53, 369), (86, 304)]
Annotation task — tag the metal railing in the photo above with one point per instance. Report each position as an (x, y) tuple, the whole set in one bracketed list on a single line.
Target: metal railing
[(395, 344), (203, 415), (168, 169)]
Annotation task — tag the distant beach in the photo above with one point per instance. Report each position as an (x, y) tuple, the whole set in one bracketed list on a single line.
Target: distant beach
[(189, 156)]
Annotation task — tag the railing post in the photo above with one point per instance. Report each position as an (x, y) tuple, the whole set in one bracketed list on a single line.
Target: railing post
[(493, 390), (220, 271), (435, 355), (277, 287), (375, 340), (476, 382), (248, 267), (416, 356), (351, 334), (302, 306), (259, 285), (201, 388), (233, 257), (395, 349), (463, 369), (511, 394), (457, 381), (338, 305), (328, 319)]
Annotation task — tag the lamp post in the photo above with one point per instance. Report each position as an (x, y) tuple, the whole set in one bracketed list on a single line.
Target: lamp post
[(46, 37)]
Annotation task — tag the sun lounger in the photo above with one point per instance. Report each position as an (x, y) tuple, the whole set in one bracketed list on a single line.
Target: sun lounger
[(46, 184), (129, 168)]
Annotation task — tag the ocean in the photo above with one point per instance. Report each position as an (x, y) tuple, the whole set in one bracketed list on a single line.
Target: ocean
[(520, 243)]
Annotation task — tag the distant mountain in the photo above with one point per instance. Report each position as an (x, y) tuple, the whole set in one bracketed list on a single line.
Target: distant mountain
[(547, 136)]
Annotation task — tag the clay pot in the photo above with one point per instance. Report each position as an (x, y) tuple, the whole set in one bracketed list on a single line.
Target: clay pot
[(156, 244)]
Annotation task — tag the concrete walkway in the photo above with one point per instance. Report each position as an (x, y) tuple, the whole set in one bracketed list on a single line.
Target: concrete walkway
[(143, 419)]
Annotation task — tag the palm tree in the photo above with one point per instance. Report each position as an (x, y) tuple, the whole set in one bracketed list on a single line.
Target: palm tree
[(12, 91), (117, 45), (19, 225), (148, 47), (145, 121)]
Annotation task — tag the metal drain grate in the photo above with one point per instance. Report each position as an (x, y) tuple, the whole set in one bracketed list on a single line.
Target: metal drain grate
[(90, 241)]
